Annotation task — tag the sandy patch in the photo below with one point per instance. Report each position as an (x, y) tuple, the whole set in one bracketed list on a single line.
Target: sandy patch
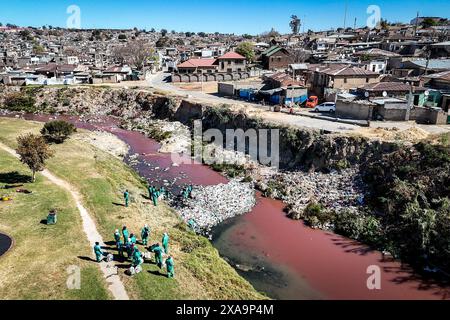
[(105, 141)]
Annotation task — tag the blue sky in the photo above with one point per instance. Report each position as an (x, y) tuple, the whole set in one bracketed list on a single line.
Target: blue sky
[(228, 16)]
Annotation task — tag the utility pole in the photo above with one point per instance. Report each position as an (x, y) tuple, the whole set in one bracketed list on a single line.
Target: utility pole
[(345, 15), (410, 103), (416, 24)]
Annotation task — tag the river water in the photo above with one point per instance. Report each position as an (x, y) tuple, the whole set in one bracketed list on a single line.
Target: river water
[(279, 256)]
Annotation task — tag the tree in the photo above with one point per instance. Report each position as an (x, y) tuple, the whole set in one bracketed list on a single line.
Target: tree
[(202, 34), (122, 36), (428, 22), (295, 24), (33, 151), (246, 49), (136, 53), (384, 24), (163, 32), (57, 131)]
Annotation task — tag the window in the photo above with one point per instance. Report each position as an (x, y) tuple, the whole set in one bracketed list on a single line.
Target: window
[(345, 80), (367, 80)]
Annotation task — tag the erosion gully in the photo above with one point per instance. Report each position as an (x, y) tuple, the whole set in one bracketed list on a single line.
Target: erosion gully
[(281, 257)]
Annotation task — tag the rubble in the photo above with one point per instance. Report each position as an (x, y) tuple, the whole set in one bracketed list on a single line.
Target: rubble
[(211, 205), (337, 190)]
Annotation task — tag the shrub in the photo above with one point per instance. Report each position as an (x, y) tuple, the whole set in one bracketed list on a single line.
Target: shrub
[(317, 216), (57, 131), (20, 102)]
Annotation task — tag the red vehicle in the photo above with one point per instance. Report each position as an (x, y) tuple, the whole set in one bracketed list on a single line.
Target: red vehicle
[(312, 102)]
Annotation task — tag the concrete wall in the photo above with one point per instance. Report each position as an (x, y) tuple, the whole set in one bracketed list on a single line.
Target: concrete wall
[(389, 112), (352, 110), (226, 89), (429, 116), (209, 77)]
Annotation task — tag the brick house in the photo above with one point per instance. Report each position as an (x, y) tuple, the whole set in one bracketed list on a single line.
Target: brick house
[(276, 57)]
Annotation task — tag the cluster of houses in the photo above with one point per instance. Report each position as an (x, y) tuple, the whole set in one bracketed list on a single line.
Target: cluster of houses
[(393, 72)]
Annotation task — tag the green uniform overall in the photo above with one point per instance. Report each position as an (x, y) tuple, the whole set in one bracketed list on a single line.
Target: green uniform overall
[(155, 197), (150, 191), (117, 236), (126, 236), (170, 269), (165, 243), (120, 246), (145, 234), (133, 239), (137, 260), (98, 253), (158, 255), (126, 196)]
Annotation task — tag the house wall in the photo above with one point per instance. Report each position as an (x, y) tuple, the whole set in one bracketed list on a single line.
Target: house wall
[(353, 82), (352, 110), (278, 60), (232, 64)]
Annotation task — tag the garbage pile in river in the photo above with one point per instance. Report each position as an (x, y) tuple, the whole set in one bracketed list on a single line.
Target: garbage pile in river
[(211, 205), (337, 191)]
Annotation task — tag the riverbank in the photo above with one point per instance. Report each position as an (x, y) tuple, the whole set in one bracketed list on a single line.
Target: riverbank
[(42, 252), (101, 179), (323, 178)]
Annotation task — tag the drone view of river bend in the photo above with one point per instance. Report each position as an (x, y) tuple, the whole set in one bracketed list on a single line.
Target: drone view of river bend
[(281, 257)]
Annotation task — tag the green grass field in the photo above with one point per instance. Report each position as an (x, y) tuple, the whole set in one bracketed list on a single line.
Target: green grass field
[(36, 267), (101, 179)]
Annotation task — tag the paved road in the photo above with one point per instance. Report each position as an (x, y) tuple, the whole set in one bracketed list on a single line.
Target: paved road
[(159, 82)]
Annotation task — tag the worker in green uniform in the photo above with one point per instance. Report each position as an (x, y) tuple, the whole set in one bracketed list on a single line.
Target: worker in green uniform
[(98, 252), (119, 244), (150, 189), (137, 258), (133, 238), (120, 247), (191, 223), (126, 196), (145, 234), (158, 251), (117, 235), (165, 243), (126, 234), (170, 269), (155, 197)]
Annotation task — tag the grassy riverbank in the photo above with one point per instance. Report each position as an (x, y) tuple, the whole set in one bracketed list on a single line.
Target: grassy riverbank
[(36, 266), (101, 179)]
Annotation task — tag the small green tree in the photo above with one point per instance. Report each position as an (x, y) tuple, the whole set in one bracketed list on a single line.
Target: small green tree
[(57, 131), (33, 151), (246, 49)]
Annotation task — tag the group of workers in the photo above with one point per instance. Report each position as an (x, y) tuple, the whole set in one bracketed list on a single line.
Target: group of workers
[(129, 242), (155, 194), (129, 245)]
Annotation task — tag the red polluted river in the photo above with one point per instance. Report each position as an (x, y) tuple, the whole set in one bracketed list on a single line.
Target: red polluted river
[(281, 257)]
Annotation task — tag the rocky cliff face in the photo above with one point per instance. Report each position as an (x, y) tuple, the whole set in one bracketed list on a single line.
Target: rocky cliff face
[(310, 149)]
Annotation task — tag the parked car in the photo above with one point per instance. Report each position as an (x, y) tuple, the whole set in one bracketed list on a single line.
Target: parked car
[(325, 107)]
